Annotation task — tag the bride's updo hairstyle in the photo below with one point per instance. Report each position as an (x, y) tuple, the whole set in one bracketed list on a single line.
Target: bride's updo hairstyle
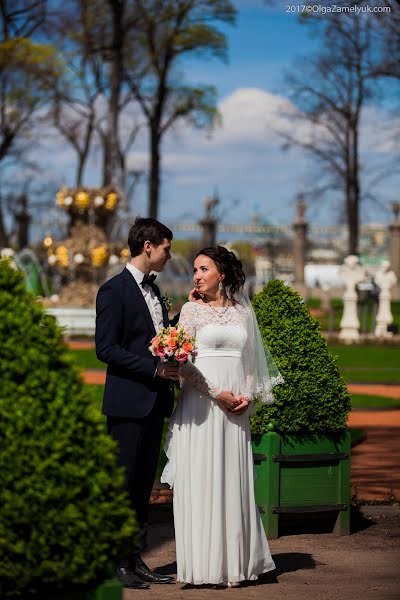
[(228, 265)]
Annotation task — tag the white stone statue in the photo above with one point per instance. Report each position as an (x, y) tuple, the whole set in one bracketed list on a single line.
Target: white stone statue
[(385, 278), (351, 273)]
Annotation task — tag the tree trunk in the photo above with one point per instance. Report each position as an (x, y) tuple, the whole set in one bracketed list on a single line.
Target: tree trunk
[(154, 174), (3, 233), (83, 155), (112, 169), (107, 175), (23, 220), (353, 202), (353, 219)]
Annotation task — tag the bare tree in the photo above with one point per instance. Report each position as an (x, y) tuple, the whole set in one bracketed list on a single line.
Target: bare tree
[(166, 31), (385, 31), (21, 19), (75, 116), (330, 92), (28, 70), (90, 100)]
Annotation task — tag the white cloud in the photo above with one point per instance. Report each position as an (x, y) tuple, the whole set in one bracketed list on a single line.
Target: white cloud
[(242, 158)]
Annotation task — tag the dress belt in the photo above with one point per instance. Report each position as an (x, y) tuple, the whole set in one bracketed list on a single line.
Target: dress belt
[(220, 353)]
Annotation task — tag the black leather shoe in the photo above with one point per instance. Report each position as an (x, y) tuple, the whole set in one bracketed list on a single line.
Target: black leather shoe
[(129, 580), (142, 571)]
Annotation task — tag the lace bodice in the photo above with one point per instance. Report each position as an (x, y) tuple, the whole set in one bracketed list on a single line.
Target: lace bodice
[(194, 316), (218, 332)]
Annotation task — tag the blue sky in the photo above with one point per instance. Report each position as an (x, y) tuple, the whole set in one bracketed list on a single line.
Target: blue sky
[(242, 161)]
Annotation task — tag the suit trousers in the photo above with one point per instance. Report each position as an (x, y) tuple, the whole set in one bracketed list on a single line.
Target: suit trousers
[(139, 447)]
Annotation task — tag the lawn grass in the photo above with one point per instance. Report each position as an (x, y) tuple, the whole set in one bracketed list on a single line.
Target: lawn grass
[(86, 359), (365, 401), (382, 357), (368, 364), (371, 376)]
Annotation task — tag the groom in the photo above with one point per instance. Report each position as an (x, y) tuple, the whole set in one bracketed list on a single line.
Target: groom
[(137, 394)]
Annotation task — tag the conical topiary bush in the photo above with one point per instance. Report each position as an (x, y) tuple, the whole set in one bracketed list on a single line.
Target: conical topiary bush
[(64, 516), (314, 397)]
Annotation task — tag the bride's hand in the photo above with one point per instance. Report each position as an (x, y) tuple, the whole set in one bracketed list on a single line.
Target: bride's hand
[(193, 295), (226, 401), (242, 405)]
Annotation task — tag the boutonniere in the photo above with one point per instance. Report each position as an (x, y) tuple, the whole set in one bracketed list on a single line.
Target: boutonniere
[(167, 302)]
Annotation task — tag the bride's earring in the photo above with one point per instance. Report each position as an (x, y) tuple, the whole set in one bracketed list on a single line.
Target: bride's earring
[(221, 286)]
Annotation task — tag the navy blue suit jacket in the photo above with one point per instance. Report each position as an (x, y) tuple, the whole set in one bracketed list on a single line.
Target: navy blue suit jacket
[(124, 329)]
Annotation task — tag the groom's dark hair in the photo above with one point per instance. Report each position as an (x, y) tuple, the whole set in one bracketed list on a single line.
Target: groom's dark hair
[(144, 230)]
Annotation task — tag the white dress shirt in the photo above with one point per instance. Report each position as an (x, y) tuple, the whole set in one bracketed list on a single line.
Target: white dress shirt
[(151, 299)]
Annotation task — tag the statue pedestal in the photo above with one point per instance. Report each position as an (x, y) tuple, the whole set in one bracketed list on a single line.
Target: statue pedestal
[(384, 316), (350, 324)]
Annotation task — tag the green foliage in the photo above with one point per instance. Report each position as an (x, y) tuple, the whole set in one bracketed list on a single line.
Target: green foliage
[(187, 248), (313, 302), (64, 517), (395, 306), (247, 256), (27, 71), (314, 396)]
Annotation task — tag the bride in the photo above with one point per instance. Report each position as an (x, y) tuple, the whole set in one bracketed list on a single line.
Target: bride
[(219, 535)]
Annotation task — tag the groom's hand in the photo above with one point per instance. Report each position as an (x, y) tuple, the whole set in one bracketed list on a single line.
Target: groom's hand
[(168, 371)]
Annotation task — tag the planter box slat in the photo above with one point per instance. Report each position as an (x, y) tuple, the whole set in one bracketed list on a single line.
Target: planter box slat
[(315, 458), (308, 509)]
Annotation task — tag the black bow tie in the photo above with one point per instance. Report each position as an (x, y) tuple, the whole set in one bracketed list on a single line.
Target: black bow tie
[(148, 280)]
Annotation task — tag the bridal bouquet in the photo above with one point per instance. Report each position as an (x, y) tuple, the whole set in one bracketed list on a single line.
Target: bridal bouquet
[(172, 344)]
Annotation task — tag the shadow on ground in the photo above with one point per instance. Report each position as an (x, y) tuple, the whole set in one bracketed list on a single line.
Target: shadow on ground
[(161, 517), (358, 522)]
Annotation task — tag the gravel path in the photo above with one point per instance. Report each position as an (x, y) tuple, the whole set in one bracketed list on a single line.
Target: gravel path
[(320, 566)]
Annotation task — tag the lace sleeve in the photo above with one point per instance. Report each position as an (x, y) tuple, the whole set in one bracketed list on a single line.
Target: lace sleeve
[(189, 373)]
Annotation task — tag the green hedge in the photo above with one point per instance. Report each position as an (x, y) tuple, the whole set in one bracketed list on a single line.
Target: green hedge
[(64, 517), (314, 396)]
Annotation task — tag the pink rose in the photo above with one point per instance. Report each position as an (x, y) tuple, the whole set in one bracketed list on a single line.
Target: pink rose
[(181, 356), (160, 352)]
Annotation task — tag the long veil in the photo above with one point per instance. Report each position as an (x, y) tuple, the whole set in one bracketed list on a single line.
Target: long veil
[(262, 372)]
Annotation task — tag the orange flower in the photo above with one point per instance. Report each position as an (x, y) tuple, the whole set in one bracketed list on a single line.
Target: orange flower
[(155, 342), (173, 332), (187, 346), (171, 342)]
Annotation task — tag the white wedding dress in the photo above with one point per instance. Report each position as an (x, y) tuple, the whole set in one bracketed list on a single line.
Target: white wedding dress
[(218, 530)]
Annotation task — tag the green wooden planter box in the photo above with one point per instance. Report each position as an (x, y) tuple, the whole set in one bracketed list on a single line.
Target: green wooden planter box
[(299, 474), (108, 590)]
